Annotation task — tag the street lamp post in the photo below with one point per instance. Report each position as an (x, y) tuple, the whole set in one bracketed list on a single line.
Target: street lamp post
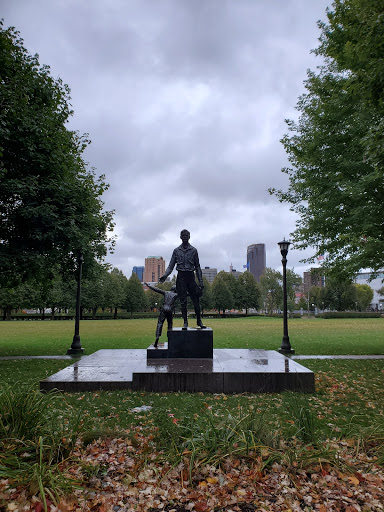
[(285, 345), (76, 348)]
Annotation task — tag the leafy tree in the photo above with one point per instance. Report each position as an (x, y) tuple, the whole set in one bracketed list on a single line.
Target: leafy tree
[(248, 294), (94, 289), (339, 295), (135, 295), (20, 296), (115, 290), (231, 281), (222, 297), (271, 289), (316, 296), (55, 294), (293, 283), (336, 148), (364, 296), (50, 201), (207, 298)]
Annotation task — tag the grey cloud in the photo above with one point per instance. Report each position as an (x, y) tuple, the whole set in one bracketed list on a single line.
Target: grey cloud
[(184, 101)]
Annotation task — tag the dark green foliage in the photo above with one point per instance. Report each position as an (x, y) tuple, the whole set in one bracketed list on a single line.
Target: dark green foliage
[(349, 314), (206, 299), (50, 204), (248, 292), (339, 295), (222, 295), (135, 299), (336, 148)]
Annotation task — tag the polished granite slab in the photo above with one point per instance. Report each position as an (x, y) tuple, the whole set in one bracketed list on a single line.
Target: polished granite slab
[(228, 371), (184, 343)]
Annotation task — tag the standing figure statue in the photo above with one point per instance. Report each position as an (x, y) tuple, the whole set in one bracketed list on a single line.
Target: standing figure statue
[(186, 259), (166, 311)]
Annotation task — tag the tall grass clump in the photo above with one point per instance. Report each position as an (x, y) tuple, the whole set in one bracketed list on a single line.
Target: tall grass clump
[(209, 439), (36, 440), (303, 418)]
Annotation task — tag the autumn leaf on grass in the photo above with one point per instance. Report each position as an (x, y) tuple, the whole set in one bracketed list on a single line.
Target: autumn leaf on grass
[(354, 480)]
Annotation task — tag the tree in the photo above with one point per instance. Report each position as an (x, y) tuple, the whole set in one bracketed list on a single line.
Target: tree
[(364, 296), (20, 296), (231, 281), (271, 289), (222, 297), (336, 148), (135, 295), (115, 292), (293, 283), (339, 295), (248, 292), (50, 201), (206, 299)]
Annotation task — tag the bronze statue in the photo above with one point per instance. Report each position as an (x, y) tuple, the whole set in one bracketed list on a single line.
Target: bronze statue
[(186, 259), (166, 311)]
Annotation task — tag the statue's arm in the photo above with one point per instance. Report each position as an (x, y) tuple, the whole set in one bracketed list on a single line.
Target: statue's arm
[(155, 289), (198, 271), (170, 267)]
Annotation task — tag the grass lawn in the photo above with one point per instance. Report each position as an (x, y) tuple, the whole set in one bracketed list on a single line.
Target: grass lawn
[(291, 441), (307, 336)]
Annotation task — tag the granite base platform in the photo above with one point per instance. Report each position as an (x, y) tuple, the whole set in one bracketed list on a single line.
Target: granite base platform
[(184, 344), (229, 371)]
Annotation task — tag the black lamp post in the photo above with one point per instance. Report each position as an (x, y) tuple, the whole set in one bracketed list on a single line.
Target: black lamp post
[(285, 345), (76, 348)]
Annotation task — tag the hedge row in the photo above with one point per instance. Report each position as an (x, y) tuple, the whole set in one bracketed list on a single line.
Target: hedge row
[(349, 314)]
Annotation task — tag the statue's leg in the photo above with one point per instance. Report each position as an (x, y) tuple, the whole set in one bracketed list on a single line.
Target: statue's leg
[(181, 288), (160, 322), (170, 320), (194, 293)]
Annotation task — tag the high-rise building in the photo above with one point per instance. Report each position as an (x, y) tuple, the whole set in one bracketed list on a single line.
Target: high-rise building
[(209, 273), (139, 271), (313, 278), (256, 261), (154, 269)]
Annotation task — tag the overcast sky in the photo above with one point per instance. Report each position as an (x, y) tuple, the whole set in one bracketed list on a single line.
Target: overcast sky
[(184, 101)]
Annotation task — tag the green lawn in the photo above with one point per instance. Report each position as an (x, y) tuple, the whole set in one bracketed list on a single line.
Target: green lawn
[(340, 425), (307, 336)]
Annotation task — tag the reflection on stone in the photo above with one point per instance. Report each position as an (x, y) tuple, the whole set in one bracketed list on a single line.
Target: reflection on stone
[(229, 371)]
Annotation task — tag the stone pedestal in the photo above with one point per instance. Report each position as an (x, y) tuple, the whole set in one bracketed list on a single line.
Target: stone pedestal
[(190, 343)]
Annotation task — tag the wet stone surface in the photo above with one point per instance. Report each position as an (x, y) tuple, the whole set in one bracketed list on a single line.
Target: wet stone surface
[(228, 371)]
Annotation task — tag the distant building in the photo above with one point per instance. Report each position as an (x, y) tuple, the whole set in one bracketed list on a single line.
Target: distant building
[(209, 273), (234, 272), (312, 278), (256, 260), (139, 271), (154, 269), (376, 283)]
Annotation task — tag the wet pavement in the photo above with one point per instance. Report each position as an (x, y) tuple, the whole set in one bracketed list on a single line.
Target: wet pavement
[(371, 356), (228, 371)]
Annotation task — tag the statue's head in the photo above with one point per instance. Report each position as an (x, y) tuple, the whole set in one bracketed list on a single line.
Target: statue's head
[(185, 235)]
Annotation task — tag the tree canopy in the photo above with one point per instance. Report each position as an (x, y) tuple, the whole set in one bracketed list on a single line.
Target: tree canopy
[(50, 201), (336, 148)]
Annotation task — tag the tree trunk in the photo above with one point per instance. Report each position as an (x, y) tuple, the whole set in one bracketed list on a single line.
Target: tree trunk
[(115, 313), (8, 313), (94, 310)]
